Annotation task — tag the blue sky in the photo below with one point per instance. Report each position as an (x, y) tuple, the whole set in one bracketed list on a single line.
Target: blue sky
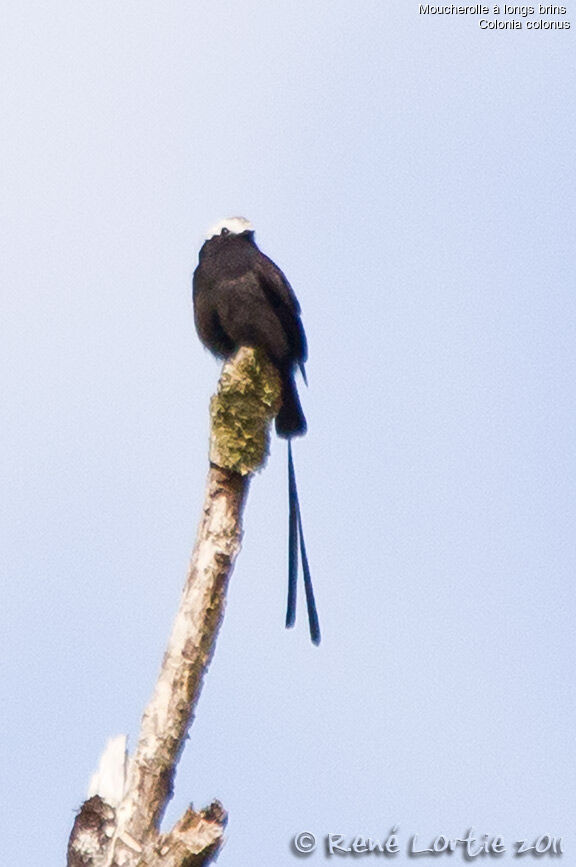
[(414, 177)]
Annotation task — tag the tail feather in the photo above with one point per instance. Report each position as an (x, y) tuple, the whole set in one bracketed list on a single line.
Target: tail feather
[(292, 542), (296, 535), (290, 420)]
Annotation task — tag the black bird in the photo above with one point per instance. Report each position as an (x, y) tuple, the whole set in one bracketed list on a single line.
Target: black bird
[(241, 298)]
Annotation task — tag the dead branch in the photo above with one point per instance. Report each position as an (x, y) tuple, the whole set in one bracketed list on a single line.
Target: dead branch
[(120, 827)]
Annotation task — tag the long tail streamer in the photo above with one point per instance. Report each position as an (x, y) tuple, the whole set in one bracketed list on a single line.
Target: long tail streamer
[(295, 535)]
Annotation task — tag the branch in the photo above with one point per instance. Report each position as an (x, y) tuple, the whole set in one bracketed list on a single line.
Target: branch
[(248, 397)]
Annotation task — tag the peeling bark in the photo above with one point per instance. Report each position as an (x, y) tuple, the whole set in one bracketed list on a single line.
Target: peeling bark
[(248, 397)]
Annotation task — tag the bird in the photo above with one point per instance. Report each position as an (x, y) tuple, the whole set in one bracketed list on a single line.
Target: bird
[(242, 298)]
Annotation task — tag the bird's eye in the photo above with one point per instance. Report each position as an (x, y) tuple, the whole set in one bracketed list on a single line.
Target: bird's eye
[(225, 231)]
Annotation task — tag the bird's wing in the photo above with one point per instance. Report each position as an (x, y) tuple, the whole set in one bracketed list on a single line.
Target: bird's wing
[(281, 297)]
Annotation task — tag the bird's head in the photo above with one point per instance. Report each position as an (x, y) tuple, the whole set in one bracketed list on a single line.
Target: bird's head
[(230, 226)]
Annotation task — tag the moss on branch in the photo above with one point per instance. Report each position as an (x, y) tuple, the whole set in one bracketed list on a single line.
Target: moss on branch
[(248, 397)]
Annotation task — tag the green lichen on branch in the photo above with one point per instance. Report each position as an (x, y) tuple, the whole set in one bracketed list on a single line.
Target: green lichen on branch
[(248, 397)]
